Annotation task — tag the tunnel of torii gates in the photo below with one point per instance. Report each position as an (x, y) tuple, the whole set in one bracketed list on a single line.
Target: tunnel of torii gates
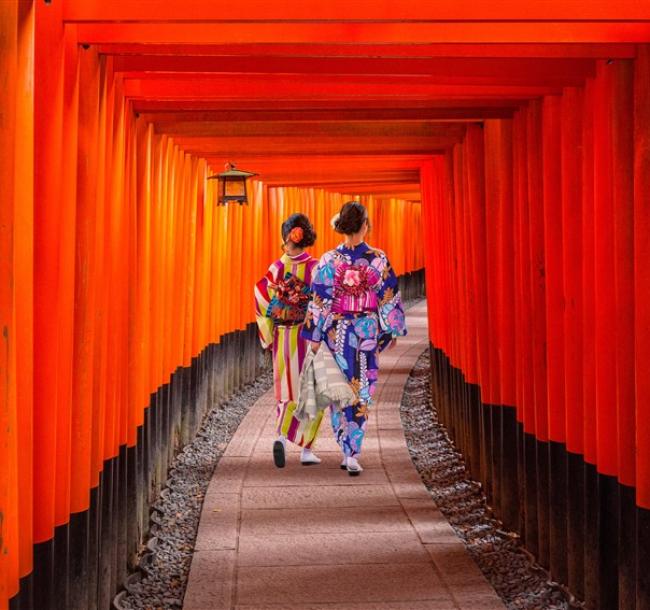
[(503, 148)]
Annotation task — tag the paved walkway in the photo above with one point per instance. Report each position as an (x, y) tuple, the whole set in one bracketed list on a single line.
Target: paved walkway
[(312, 538)]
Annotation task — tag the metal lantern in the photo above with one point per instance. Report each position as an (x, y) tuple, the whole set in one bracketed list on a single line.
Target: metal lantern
[(232, 185)]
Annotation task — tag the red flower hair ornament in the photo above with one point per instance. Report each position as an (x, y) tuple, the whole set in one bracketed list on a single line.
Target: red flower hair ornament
[(296, 234)]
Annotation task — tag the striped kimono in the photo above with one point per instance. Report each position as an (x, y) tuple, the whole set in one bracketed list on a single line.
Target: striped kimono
[(281, 299)]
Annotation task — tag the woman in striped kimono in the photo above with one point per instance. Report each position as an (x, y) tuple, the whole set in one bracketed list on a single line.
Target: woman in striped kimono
[(281, 299), (356, 309)]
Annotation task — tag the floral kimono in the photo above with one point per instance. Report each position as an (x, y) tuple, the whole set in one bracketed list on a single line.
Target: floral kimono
[(356, 309), (281, 299)]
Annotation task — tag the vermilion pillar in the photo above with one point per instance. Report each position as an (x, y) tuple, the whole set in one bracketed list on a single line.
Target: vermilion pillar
[(48, 126), (642, 312)]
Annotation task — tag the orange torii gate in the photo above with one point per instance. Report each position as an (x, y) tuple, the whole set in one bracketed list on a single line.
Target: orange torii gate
[(504, 148)]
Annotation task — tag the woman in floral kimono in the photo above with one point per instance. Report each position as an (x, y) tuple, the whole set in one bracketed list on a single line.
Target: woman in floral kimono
[(281, 299), (356, 309)]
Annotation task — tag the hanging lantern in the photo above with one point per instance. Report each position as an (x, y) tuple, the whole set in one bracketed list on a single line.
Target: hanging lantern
[(232, 185)]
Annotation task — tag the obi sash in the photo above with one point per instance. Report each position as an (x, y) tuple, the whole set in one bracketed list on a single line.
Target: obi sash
[(288, 306), (348, 303)]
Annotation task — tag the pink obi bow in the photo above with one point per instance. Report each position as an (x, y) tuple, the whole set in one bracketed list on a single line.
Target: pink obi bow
[(353, 289)]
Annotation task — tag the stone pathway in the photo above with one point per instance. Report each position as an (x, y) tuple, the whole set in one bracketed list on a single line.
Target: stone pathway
[(312, 538)]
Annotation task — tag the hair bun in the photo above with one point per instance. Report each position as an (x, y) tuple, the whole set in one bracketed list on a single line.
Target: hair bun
[(298, 230), (334, 220), (350, 219)]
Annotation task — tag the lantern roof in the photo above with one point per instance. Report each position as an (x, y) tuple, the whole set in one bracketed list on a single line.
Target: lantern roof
[(233, 172), (237, 173)]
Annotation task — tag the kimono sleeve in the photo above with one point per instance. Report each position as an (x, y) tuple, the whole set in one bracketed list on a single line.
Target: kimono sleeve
[(391, 313), (320, 305), (263, 296)]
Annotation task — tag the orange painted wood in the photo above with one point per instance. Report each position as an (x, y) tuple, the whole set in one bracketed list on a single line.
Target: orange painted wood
[(100, 258), (642, 271), (134, 401), (9, 560), (167, 120), (588, 274), (475, 177), (287, 87), (494, 224), (553, 266), (236, 148), (592, 50), (465, 285), (23, 286), (313, 129), (447, 209), (623, 201), (446, 10), (399, 107), (48, 125), (536, 269), (551, 31), (66, 276), (571, 139), (502, 132), (86, 283), (604, 267), (469, 71), (523, 289)]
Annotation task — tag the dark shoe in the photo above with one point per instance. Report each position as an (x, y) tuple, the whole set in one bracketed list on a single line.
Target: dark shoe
[(278, 454)]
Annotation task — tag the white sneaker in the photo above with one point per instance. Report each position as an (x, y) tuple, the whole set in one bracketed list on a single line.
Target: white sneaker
[(353, 467), (308, 458), (344, 464)]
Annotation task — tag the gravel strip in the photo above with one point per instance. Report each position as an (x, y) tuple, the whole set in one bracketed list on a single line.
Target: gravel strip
[(166, 559), (510, 569)]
